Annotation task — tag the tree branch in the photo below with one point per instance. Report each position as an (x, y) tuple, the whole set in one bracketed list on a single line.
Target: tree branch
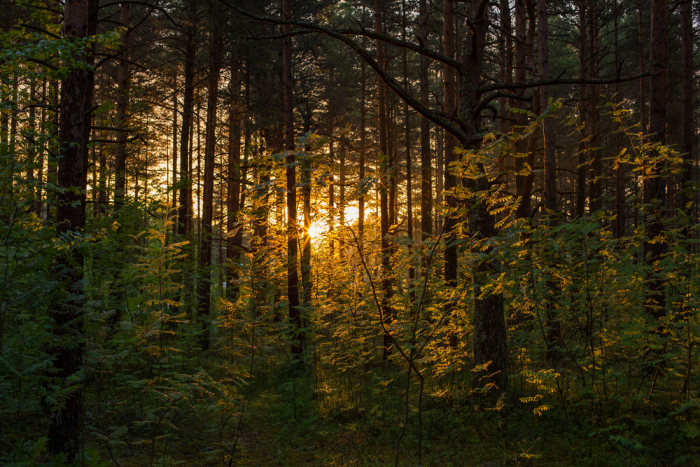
[(534, 84)]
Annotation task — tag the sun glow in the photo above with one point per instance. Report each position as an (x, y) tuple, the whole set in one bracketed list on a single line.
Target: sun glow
[(320, 226)]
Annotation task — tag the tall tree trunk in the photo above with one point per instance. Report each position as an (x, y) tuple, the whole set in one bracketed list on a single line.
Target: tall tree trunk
[(619, 167), (204, 284), (654, 186), (186, 139), (40, 175), (550, 167), (31, 148), (489, 336), (450, 268), (384, 195), (306, 280), (688, 128), (505, 56), (363, 147), (426, 203), (235, 231), (331, 187), (643, 81), (407, 140), (65, 311), (583, 167), (175, 105), (595, 154), (519, 119), (550, 160), (122, 108), (529, 179), (295, 317)]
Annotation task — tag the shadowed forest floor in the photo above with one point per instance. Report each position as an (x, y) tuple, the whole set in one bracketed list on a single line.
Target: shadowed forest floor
[(291, 421)]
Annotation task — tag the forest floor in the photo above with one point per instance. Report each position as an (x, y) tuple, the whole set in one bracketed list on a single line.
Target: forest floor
[(293, 423)]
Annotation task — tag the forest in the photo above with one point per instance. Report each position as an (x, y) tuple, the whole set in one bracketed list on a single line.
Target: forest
[(349, 232)]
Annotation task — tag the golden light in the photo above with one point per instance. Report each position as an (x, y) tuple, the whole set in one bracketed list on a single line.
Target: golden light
[(319, 228)]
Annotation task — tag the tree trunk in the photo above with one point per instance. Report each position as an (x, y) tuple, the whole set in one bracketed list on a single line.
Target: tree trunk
[(175, 104), (363, 147), (407, 141), (426, 202), (642, 67), (550, 169), (594, 149), (186, 139), (687, 129), (295, 317), (204, 284), (489, 337), (619, 166), (384, 188), (235, 231), (582, 112), (450, 269), (65, 311), (306, 280), (550, 160), (122, 108), (519, 119), (654, 186), (525, 208)]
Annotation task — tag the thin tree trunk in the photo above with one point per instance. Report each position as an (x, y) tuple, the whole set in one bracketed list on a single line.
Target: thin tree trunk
[(363, 146), (122, 105), (619, 166), (384, 188), (204, 284), (407, 140), (186, 139), (525, 208), (295, 317), (550, 168), (583, 113), (595, 155), (519, 119), (235, 231), (426, 204), (175, 105), (450, 268), (306, 168), (642, 67), (654, 186), (687, 128)]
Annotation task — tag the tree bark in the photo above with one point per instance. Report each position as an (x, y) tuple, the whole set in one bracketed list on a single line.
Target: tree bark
[(235, 231), (451, 108), (426, 205), (384, 188), (550, 160), (525, 210), (186, 139), (295, 318), (407, 142), (595, 159), (519, 119), (122, 108), (582, 112), (204, 284), (688, 128), (363, 147), (175, 105), (654, 186), (65, 311)]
